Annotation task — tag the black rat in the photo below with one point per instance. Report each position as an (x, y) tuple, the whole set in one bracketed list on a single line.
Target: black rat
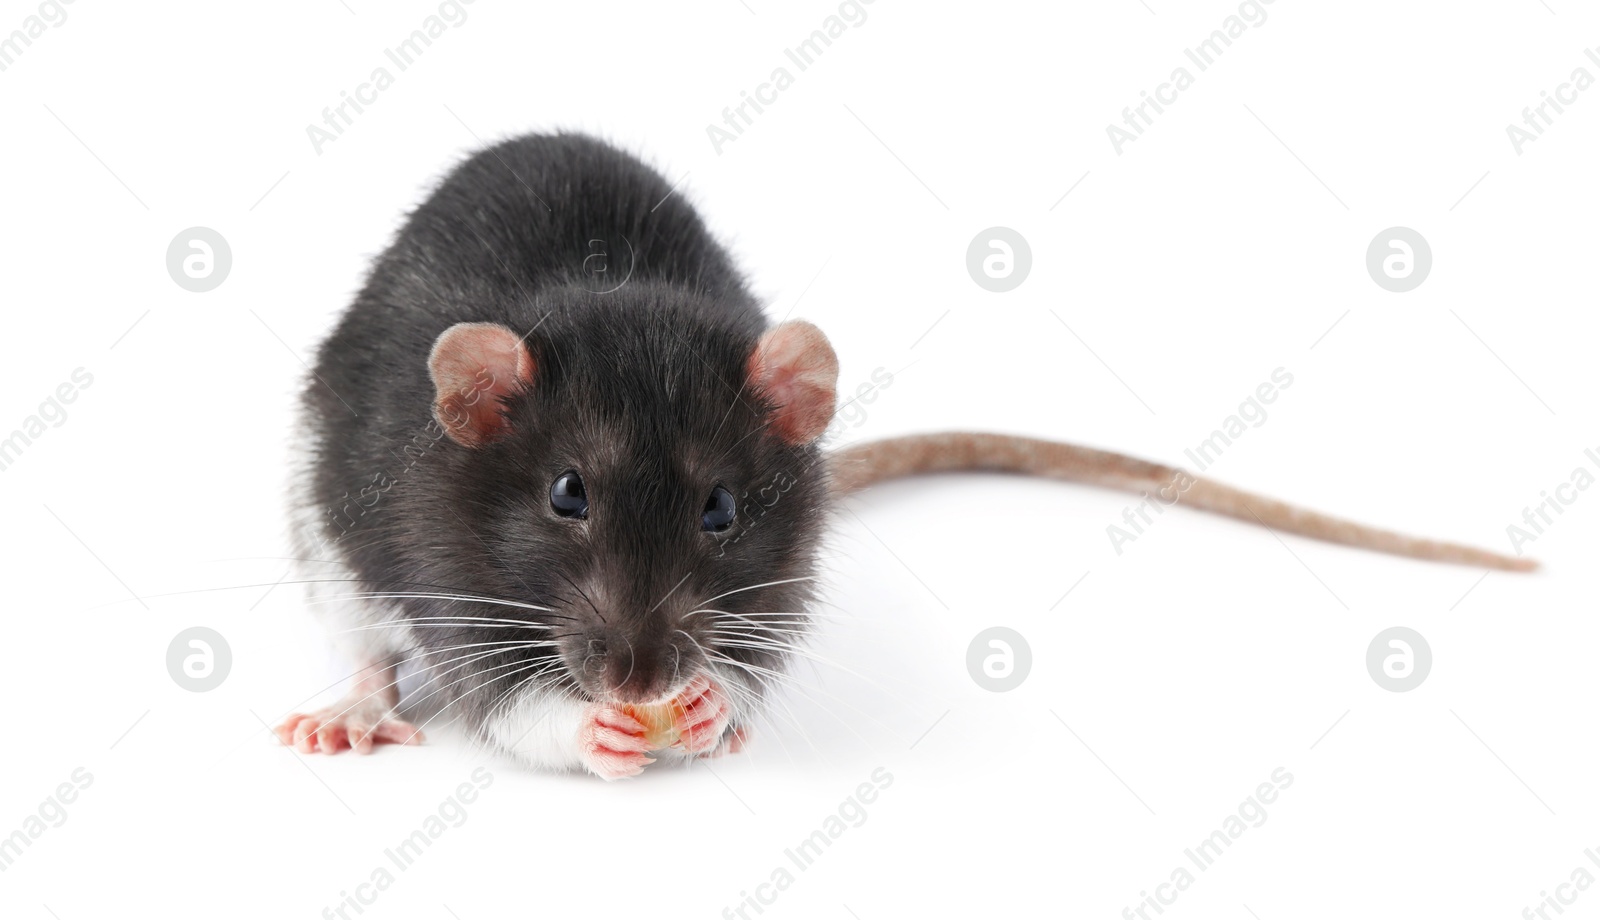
[(557, 457)]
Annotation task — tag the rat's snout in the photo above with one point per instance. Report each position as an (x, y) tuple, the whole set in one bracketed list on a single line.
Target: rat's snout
[(629, 668)]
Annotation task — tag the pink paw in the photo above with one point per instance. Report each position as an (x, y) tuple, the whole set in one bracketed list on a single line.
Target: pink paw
[(732, 743), (611, 743), (343, 726), (700, 715)]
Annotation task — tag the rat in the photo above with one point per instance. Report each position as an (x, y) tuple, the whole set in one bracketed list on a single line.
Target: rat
[(556, 459)]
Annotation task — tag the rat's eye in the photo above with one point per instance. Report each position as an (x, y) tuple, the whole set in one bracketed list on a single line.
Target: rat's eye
[(718, 515), (567, 496)]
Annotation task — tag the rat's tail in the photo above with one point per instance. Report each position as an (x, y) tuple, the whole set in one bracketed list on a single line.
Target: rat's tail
[(857, 467)]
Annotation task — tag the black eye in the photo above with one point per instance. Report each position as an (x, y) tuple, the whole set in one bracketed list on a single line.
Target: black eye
[(718, 515), (567, 496)]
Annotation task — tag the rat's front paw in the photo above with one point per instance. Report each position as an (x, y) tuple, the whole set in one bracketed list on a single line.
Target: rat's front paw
[(700, 715), (612, 743)]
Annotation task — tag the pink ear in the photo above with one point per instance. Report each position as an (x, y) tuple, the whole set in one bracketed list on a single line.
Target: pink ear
[(795, 369), (474, 366)]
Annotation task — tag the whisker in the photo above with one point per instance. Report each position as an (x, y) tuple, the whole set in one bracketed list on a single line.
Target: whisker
[(446, 621), (456, 699), (505, 698), (271, 584), (396, 682), (794, 685), (452, 700), (384, 595), (768, 584)]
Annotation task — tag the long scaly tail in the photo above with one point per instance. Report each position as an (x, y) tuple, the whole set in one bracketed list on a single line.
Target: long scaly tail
[(857, 467)]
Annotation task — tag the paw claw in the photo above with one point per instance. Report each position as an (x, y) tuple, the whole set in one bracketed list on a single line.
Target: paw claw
[(394, 731), (303, 733)]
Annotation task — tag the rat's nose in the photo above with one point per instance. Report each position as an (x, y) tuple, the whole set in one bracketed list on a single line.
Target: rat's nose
[(631, 670), (638, 692)]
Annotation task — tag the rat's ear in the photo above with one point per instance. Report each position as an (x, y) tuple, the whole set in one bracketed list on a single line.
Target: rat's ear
[(474, 366), (795, 369)]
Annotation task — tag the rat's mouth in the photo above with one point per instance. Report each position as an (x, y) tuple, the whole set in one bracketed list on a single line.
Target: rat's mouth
[(622, 698)]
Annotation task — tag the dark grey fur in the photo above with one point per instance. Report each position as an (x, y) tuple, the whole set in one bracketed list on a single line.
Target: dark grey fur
[(641, 389)]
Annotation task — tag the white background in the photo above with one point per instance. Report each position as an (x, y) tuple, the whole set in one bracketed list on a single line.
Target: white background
[(1188, 268)]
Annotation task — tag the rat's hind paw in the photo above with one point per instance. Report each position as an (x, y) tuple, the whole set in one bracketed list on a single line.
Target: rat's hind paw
[(612, 744), (733, 741), (356, 725)]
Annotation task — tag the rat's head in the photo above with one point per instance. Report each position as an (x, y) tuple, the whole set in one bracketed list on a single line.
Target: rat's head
[(649, 477)]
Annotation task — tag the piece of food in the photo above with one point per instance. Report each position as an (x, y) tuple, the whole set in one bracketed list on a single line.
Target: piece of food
[(659, 721)]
